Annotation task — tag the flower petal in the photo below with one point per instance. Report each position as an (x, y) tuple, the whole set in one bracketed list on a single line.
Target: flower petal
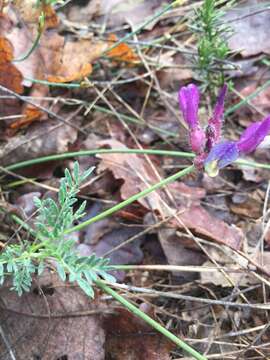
[(253, 136), (215, 123), (220, 156), (189, 98), (219, 107), (197, 140)]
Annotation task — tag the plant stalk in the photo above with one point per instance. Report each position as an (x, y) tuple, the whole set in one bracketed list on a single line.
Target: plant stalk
[(131, 199), (68, 155), (156, 152)]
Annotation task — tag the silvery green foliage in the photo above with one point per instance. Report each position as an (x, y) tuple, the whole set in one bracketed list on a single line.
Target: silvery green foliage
[(51, 246)]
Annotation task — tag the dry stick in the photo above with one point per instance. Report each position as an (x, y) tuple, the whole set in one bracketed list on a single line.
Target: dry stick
[(185, 268), (166, 294), (7, 344)]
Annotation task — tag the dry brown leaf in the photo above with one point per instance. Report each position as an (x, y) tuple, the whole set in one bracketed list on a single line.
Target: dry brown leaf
[(177, 254), (136, 173), (44, 325), (130, 338), (41, 139), (52, 60), (11, 78), (248, 205), (120, 11), (67, 67), (6, 51), (203, 224)]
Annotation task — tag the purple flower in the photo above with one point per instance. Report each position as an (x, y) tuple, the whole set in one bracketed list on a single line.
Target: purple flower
[(225, 153), (201, 140), (212, 153)]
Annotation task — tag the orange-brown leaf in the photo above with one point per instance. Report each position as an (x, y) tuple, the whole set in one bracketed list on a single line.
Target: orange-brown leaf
[(11, 78), (30, 115), (51, 19), (6, 51), (83, 72), (121, 52)]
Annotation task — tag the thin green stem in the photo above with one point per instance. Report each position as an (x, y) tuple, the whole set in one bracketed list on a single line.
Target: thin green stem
[(136, 311), (36, 42), (131, 199), (68, 155), (252, 164), (157, 152)]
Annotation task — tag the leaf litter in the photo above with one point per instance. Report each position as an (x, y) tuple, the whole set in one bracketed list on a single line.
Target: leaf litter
[(197, 224)]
